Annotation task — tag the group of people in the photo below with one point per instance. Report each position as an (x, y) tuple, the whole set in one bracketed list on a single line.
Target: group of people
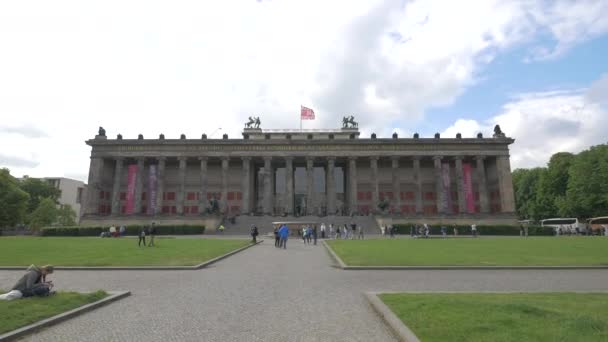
[(309, 233), (114, 232), (281, 234), (149, 231), (345, 232), (33, 283)]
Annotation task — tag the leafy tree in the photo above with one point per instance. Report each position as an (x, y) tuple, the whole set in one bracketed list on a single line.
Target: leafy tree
[(525, 183), (587, 191), (38, 189), (13, 200), (66, 216), (44, 215)]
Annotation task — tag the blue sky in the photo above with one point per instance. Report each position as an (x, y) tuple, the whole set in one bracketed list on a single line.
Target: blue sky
[(192, 67)]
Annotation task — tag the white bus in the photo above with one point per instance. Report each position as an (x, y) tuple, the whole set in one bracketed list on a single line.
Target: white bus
[(564, 225)]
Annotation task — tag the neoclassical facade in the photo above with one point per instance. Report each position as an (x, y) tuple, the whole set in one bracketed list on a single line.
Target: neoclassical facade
[(299, 172)]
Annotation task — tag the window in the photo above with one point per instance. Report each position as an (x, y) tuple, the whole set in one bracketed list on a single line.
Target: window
[(191, 196), (144, 209), (165, 209), (123, 196), (360, 196), (143, 196), (107, 195), (239, 196), (231, 196), (101, 194), (173, 210), (186, 210), (194, 209), (123, 209), (368, 196), (429, 195), (171, 196)]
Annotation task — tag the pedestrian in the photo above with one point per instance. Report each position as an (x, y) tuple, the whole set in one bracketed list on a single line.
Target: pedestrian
[(337, 233), (353, 228), (444, 231), (383, 230), (412, 230), (314, 234), (309, 234), (323, 230), (474, 230), (360, 232), (254, 233), (345, 231), (123, 230), (152, 232), (283, 235), (113, 231), (331, 231), (521, 230), (142, 236), (455, 231), (277, 239), (391, 231), (221, 228), (427, 231)]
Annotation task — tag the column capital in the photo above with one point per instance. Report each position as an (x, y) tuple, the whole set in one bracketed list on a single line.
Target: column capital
[(330, 158), (458, 158), (416, 157), (310, 161), (159, 158), (182, 158), (288, 158), (119, 159), (482, 158), (373, 158), (246, 159), (267, 158), (203, 158), (352, 158), (225, 158), (437, 158), (140, 159)]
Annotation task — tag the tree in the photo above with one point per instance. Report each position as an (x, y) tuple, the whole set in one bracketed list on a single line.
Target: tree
[(66, 216), (525, 182), (13, 200), (39, 189), (587, 191), (552, 185), (44, 215)]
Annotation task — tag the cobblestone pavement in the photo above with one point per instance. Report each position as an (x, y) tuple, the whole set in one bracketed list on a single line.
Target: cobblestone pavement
[(268, 294)]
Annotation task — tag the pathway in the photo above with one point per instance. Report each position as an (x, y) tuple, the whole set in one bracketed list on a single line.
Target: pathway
[(268, 294)]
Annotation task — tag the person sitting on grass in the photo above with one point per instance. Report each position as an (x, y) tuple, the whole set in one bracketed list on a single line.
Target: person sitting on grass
[(33, 283)]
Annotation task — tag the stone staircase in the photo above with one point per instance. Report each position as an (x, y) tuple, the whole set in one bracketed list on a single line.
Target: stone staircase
[(242, 224)]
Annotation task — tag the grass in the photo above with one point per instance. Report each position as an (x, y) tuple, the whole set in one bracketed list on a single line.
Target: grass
[(503, 317), (541, 251), (21, 312), (83, 251)]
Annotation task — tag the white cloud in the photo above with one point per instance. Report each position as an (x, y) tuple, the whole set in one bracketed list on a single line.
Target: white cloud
[(546, 123), (191, 67)]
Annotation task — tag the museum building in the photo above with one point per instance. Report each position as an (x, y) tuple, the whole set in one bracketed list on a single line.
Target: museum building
[(299, 172)]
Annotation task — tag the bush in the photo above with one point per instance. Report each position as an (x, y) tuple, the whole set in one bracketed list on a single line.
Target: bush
[(481, 230), (130, 230)]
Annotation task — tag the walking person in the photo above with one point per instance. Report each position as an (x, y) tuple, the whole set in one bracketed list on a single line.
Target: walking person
[(455, 231), (474, 230), (444, 231), (412, 230), (323, 230), (221, 229), (277, 239), (353, 228), (391, 231), (314, 234), (122, 230), (337, 233), (331, 231), (359, 232), (152, 232), (345, 231), (254, 233), (283, 235), (383, 230), (142, 236)]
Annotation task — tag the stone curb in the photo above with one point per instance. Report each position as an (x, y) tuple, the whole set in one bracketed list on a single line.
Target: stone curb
[(139, 268), (335, 256), (28, 329), (401, 330), (343, 266)]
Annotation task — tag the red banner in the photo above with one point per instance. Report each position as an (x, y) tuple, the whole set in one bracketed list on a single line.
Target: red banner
[(468, 188), (446, 188), (152, 184), (131, 177), (306, 113)]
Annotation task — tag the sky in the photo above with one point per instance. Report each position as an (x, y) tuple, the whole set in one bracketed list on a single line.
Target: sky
[(537, 68)]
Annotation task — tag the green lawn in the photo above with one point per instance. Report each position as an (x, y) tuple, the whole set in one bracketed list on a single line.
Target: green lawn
[(542, 251), (83, 251), (503, 317), (21, 312)]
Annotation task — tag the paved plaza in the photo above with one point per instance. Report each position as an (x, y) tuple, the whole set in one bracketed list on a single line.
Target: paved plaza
[(269, 294)]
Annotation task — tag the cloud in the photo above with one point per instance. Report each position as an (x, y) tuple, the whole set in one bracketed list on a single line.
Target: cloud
[(146, 67), (546, 123), (9, 161), (25, 130)]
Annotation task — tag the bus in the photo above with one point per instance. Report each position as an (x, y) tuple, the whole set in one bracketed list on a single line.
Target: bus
[(564, 225), (599, 225)]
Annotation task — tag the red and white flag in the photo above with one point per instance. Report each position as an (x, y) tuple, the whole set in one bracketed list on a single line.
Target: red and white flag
[(306, 113)]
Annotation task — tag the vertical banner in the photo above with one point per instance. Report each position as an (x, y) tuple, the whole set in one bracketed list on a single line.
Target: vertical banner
[(131, 177), (447, 193), (468, 188), (152, 187)]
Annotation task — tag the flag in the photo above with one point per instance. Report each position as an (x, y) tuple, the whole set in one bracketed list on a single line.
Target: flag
[(306, 113)]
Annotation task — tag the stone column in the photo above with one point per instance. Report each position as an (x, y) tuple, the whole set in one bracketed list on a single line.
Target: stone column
[(202, 200), (268, 198), (375, 192), (418, 184), (396, 183), (352, 184), (160, 184), (460, 186), (505, 184), (482, 185), (224, 202), (245, 208), (309, 185), (331, 186), (289, 184), (116, 187), (181, 178), (438, 185), (94, 186), (139, 181)]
